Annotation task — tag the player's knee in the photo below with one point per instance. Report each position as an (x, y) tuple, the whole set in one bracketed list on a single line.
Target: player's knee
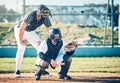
[(45, 65), (68, 60)]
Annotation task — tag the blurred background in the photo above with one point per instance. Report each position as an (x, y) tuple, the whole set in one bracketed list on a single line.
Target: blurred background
[(90, 22), (95, 24)]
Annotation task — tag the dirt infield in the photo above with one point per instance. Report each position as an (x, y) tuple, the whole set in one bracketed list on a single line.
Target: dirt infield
[(77, 78)]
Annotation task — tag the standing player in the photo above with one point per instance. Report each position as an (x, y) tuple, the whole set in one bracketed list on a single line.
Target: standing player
[(24, 30), (52, 52)]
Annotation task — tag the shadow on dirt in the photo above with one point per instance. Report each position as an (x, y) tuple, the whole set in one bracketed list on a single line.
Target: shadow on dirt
[(54, 79), (98, 80)]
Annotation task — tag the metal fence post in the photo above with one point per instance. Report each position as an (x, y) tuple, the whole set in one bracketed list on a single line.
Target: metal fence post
[(112, 22), (119, 26)]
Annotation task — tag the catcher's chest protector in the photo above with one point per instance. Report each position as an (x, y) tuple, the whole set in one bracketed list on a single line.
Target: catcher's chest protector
[(53, 50)]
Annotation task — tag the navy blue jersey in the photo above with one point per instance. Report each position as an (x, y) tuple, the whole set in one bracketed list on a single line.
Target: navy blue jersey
[(32, 22), (51, 51)]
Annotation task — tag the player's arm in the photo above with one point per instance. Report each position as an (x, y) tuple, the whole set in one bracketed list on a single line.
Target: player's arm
[(25, 21), (42, 51), (21, 33), (70, 48), (48, 24), (59, 58)]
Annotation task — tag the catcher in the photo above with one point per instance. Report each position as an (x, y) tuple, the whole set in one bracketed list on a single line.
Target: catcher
[(52, 53)]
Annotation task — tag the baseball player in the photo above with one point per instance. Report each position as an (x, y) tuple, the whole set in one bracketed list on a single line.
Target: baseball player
[(51, 53), (24, 31)]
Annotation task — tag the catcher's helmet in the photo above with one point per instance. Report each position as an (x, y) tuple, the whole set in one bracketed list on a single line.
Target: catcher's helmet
[(54, 31), (44, 11)]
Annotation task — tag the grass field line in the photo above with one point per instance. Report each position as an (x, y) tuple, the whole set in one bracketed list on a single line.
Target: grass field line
[(79, 65)]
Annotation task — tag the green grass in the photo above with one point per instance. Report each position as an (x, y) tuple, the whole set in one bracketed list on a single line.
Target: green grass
[(69, 32), (79, 64)]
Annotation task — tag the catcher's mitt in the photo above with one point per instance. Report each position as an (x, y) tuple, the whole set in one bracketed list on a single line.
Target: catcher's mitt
[(71, 46)]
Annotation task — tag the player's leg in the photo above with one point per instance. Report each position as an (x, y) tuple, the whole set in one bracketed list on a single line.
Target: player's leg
[(41, 66), (19, 58), (64, 69), (20, 52), (34, 39)]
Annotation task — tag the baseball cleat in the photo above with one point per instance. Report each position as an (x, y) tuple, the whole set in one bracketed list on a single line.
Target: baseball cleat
[(45, 73), (17, 73), (65, 77), (37, 77)]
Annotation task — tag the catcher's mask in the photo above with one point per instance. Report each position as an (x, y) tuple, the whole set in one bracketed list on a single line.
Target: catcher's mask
[(55, 34), (44, 11)]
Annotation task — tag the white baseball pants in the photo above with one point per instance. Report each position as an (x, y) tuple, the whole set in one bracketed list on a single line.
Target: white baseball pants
[(31, 37)]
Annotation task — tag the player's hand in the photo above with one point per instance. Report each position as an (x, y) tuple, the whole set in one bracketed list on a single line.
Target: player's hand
[(59, 63), (23, 42), (54, 63), (39, 43)]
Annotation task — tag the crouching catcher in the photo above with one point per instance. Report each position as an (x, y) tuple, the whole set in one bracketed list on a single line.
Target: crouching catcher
[(53, 52)]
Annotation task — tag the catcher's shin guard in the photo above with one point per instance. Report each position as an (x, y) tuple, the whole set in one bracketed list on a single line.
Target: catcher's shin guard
[(40, 70), (64, 69), (38, 73)]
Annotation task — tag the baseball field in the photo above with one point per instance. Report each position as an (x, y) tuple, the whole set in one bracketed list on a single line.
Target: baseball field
[(83, 70)]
